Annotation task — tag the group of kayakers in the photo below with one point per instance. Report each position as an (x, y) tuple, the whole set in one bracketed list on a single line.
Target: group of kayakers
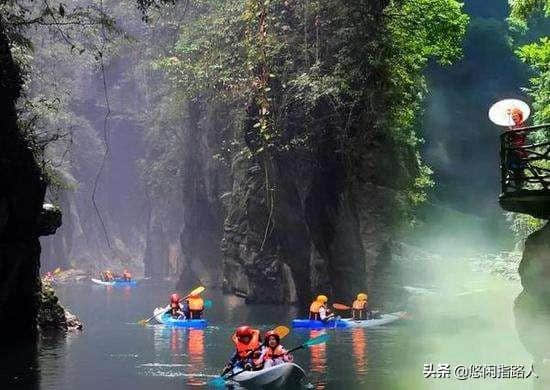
[(253, 354), (319, 310), (190, 307), (109, 276)]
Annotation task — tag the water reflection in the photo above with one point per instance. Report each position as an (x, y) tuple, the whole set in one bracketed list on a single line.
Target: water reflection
[(19, 367), (359, 344), (175, 344), (127, 293), (318, 362), (195, 344)]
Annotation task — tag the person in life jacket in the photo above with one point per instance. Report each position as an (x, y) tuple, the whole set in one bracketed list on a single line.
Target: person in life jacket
[(359, 308), (516, 156), (107, 276), (319, 310), (247, 345), (196, 306), (273, 353), (176, 307), (127, 276)]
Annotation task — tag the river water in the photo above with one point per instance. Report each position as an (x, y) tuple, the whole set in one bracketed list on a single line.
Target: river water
[(469, 325)]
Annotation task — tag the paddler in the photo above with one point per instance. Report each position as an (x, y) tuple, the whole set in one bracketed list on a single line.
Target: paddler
[(273, 353), (319, 310), (195, 306), (107, 276), (176, 307), (247, 345), (359, 308), (126, 275)]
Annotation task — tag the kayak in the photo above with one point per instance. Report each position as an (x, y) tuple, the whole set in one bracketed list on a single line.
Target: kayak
[(165, 318), (115, 283), (277, 377), (317, 324), (383, 320), (348, 322)]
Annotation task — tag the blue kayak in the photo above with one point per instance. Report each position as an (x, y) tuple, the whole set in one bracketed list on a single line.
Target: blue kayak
[(165, 318), (316, 324), (115, 283)]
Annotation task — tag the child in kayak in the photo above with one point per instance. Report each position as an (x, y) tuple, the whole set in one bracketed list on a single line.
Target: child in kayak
[(176, 307), (247, 344), (273, 353)]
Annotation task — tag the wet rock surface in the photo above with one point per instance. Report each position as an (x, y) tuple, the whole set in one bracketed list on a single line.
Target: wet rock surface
[(22, 189), (52, 316), (532, 306)]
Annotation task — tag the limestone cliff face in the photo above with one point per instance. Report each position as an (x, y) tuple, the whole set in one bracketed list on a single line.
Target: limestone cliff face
[(310, 229), (22, 218), (205, 179), (532, 306), (534, 268)]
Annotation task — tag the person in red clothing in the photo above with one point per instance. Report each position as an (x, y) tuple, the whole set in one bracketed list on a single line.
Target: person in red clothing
[(176, 307), (517, 155), (247, 345)]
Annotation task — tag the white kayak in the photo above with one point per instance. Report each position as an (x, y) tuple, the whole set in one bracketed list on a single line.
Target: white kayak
[(116, 282), (277, 377), (97, 281), (383, 320)]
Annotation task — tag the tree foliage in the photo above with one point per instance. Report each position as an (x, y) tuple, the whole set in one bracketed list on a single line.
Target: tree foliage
[(319, 68), (535, 54)]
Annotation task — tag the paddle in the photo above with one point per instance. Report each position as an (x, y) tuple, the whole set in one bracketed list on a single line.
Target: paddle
[(336, 319), (339, 306), (321, 339), (208, 304), (281, 330), (196, 291)]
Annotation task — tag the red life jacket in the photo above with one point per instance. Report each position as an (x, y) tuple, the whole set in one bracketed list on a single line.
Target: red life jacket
[(244, 349)]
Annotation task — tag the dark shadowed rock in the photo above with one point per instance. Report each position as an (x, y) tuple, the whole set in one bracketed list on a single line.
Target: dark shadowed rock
[(534, 268), (48, 220), (532, 306)]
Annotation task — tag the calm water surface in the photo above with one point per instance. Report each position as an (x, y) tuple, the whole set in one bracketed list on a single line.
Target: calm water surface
[(468, 325)]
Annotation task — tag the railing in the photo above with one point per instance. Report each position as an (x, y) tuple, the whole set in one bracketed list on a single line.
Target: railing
[(525, 161)]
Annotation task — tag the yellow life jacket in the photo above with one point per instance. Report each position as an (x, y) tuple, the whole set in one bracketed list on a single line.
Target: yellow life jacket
[(315, 306), (359, 304), (196, 304)]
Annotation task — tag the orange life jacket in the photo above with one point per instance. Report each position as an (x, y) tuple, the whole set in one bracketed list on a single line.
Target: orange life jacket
[(244, 349), (359, 305), (274, 353), (315, 306), (196, 304)]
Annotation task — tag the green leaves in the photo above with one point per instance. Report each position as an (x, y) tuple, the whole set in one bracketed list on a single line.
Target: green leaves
[(536, 55)]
